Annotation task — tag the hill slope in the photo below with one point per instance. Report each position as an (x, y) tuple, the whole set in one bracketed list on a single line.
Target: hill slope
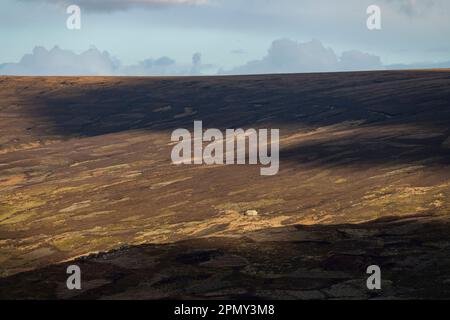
[(85, 167)]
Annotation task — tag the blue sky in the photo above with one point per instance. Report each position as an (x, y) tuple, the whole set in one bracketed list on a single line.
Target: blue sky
[(229, 33)]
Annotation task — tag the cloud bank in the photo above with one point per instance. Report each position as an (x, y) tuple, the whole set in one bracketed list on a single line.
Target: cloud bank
[(62, 62), (287, 56), (59, 62), (117, 5), (283, 56)]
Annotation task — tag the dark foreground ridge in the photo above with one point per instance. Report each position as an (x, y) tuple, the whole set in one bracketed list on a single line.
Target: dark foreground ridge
[(297, 262)]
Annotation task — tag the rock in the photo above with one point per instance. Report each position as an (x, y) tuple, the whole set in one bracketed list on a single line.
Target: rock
[(230, 212), (251, 213)]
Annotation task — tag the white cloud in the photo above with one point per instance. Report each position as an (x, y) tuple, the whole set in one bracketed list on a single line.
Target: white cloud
[(62, 62), (58, 62), (160, 66), (357, 60), (287, 56)]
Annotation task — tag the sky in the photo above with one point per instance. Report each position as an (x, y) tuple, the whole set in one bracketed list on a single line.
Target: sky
[(180, 37)]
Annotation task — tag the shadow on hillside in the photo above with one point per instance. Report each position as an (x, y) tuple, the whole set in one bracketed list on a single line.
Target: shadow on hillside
[(303, 100), (296, 262), (417, 102), (363, 151)]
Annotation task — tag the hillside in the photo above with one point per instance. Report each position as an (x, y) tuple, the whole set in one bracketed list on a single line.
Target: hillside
[(364, 179)]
